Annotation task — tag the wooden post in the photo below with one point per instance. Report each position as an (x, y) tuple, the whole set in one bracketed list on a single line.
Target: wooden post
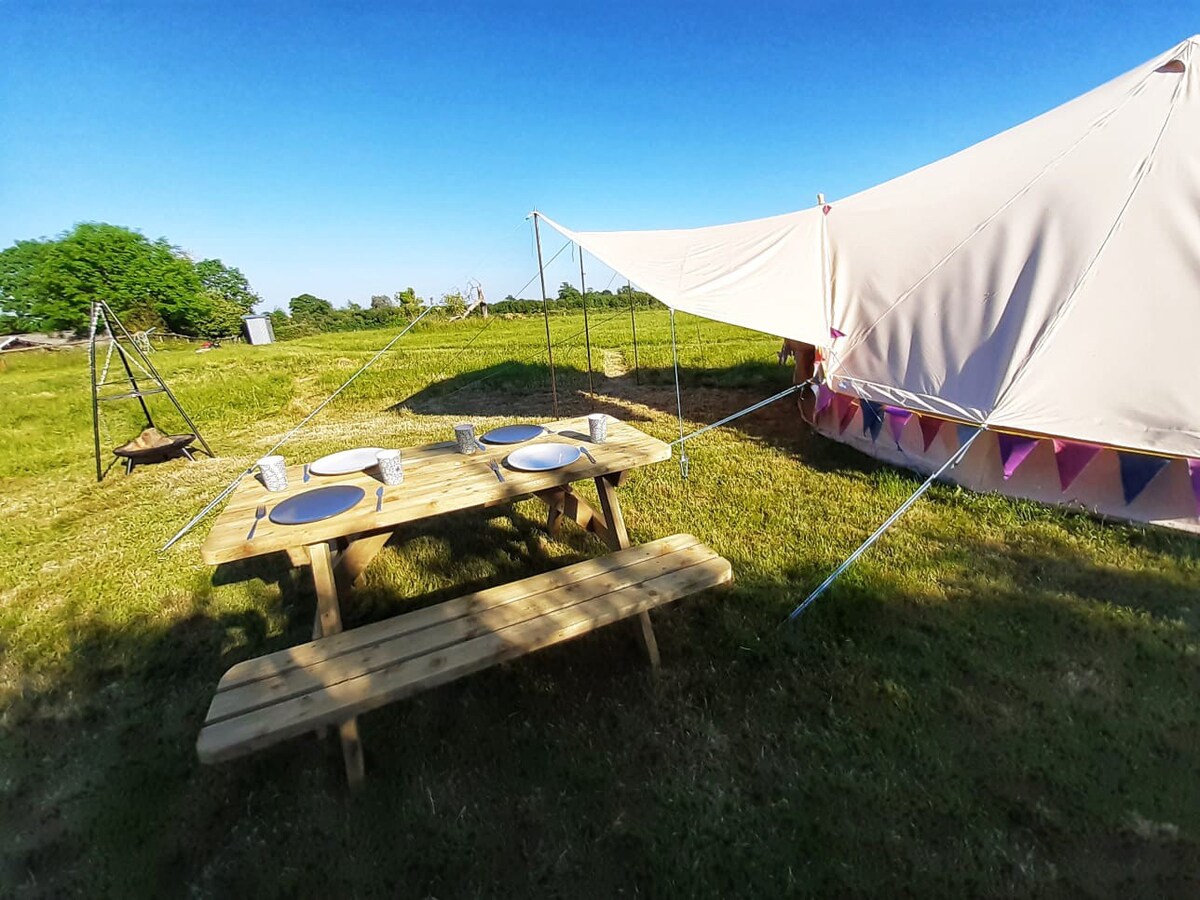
[(587, 335)]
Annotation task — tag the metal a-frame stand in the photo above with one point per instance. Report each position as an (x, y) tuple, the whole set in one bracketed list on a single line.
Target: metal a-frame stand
[(104, 317)]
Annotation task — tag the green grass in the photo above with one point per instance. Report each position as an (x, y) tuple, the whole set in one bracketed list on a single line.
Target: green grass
[(999, 699)]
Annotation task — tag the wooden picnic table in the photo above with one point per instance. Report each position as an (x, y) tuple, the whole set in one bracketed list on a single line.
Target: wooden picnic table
[(437, 480)]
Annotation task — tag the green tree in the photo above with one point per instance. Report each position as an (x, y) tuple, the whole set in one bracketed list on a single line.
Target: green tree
[(454, 304), (146, 283), (21, 266), (569, 294), (228, 283), (312, 310), (381, 301), (409, 303)]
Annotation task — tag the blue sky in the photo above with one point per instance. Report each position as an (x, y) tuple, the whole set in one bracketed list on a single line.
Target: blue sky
[(349, 149)]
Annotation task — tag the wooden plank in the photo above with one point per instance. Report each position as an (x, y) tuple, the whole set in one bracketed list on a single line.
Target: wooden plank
[(580, 512), (302, 714), (358, 555), (297, 556), (407, 644), (376, 632), (618, 536), (352, 753), (555, 501), (328, 611), (437, 480)]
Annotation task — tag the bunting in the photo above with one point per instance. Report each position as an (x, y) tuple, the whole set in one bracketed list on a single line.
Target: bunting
[(1194, 470), (1014, 450), (930, 427), (1071, 459), (847, 415), (872, 418), (1137, 471), (897, 418), (824, 398), (965, 432)]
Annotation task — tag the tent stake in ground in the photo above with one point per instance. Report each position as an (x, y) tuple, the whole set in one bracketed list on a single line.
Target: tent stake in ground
[(103, 314)]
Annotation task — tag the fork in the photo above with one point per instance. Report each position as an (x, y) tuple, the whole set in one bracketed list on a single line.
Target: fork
[(258, 514), (496, 469)]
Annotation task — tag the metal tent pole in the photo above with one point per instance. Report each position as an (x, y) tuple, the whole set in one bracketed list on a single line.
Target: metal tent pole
[(95, 390), (537, 236), (637, 370), (587, 337)]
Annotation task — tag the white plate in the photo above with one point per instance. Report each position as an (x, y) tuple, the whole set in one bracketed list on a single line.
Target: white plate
[(543, 457), (345, 461)]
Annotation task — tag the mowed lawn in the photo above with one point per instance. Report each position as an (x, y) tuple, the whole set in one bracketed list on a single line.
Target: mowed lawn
[(999, 699)]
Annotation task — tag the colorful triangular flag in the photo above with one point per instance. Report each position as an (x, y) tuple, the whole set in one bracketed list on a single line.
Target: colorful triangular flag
[(1014, 450), (965, 432), (930, 426), (1137, 471), (1072, 458), (897, 418), (1194, 470), (872, 418), (847, 415), (835, 333), (824, 398)]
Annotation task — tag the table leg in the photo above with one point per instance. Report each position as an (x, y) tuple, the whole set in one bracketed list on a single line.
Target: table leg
[(556, 503), (358, 555), (618, 539), (329, 621)]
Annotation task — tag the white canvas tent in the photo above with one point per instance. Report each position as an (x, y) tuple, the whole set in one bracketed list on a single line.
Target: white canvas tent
[(1045, 281)]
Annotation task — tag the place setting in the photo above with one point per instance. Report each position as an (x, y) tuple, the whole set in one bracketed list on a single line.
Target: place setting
[(544, 456), (320, 503)]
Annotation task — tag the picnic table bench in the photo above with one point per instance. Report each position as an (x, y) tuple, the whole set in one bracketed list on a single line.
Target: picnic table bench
[(339, 675)]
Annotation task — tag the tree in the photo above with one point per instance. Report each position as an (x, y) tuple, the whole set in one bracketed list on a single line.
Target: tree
[(228, 283), (314, 310), (569, 294), (454, 303), (409, 303), (147, 283), (381, 301)]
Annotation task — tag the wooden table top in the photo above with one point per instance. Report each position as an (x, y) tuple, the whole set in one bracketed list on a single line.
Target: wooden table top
[(437, 479)]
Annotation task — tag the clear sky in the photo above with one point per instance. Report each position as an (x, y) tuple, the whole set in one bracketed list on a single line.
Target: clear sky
[(347, 149)]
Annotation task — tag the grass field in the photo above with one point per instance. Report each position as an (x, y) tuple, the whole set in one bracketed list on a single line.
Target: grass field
[(999, 699)]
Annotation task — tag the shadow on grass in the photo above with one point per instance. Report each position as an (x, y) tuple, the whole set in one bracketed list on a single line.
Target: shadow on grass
[(1021, 730)]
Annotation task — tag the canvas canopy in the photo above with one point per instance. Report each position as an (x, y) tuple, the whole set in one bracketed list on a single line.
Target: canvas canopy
[(1046, 280)]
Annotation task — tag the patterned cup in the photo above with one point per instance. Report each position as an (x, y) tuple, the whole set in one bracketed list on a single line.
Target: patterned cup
[(464, 436), (274, 473), (598, 427), (390, 468)]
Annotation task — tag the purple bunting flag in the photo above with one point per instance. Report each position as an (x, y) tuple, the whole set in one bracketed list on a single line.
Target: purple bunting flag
[(897, 418), (1014, 450), (1194, 470), (847, 415), (1137, 471), (1072, 458), (824, 398), (872, 418), (930, 426)]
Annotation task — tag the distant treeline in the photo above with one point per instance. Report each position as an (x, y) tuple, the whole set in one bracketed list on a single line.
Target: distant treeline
[(49, 284)]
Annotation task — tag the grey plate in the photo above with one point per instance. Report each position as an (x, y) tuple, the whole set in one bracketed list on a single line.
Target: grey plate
[(514, 434), (317, 504)]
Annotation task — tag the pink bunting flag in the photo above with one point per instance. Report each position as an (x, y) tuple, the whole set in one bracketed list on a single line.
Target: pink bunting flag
[(847, 414), (824, 398), (897, 418), (930, 426), (1014, 450), (1072, 458), (1194, 470), (835, 333)]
